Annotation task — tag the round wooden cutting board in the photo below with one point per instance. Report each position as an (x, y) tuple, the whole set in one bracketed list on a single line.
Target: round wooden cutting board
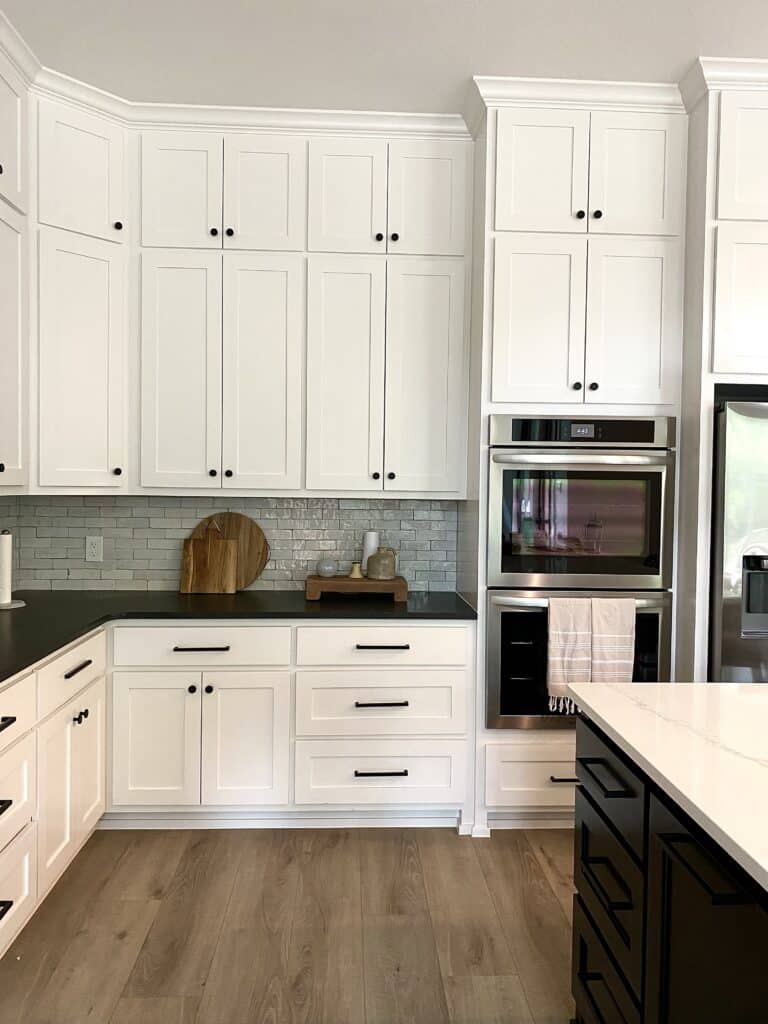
[(252, 547)]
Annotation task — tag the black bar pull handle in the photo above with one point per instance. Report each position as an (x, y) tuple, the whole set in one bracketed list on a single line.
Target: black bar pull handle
[(611, 888), (381, 703), (7, 721), (198, 650), (596, 767), (721, 889), (564, 779), (383, 647), (5, 906), (78, 668), (382, 775), (4, 805)]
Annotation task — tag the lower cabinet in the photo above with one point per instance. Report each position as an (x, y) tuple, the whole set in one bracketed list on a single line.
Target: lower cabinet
[(18, 885), (538, 773), (186, 738), (70, 781)]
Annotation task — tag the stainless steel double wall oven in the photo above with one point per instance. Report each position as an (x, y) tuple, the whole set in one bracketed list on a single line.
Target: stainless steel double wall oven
[(581, 506)]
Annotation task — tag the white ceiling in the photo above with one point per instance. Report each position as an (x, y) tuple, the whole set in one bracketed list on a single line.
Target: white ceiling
[(391, 55)]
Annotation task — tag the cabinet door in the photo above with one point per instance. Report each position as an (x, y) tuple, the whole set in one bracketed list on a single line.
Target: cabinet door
[(741, 299), (88, 762), (156, 738), (13, 136), (637, 173), (425, 413), (13, 346), (539, 296), (56, 838), (263, 344), (542, 157), (634, 320), (82, 360), (181, 189), (743, 156), (81, 183), (180, 369), (347, 195), (428, 197), (265, 192), (345, 372), (245, 737)]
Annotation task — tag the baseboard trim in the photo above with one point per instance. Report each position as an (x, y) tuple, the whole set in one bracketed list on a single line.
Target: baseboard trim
[(302, 819)]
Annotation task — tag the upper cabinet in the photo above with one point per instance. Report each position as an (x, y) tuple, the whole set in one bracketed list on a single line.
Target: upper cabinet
[(741, 299), (370, 196), (81, 183), (265, 191), (743, 156), (181, 189), (13, 347), (13, 134), (575, 171)]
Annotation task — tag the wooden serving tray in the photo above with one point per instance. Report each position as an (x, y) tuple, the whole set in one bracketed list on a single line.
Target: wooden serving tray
[(319, 585)]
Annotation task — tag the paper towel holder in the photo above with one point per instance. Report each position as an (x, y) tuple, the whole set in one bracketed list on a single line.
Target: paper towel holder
[(10, 604)]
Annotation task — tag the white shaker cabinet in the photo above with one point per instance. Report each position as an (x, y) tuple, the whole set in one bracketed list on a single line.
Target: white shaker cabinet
[(245, 738), (82, 360), (181, 189), (263, 344), (426, 385), (81, 183), (741, 299), (539, 296), (742, 182), (346, 298), (181, 369), (634, 320), (265, 191), (89, 760), (156, 738), (428, 197), (13, 347), (13, 136), (347, 195)]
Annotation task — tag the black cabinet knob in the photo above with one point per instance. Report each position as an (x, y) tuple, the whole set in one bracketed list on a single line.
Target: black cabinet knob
[(78, 719), (2, 467), (376, 476), (118, 225), (212, 472), (1, 168), (581, 214), (214, 231), (578, 386), (390, 476), (117, 471), (228, 472), (85, 713), (229, 232), (394, 236), (209, 689), (593, 386), (192, 689), (597, 214), (379, 237)]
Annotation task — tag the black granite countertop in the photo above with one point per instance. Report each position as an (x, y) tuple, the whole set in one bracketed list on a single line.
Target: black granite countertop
[(52, 619)]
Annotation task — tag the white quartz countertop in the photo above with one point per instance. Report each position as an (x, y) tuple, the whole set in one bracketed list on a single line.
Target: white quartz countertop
[(705, 745)]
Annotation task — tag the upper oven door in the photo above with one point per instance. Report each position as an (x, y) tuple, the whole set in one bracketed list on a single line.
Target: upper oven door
[(580, 519)]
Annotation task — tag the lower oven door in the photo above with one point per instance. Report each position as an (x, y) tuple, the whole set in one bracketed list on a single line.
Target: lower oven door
[(580, 519), (516, 677)]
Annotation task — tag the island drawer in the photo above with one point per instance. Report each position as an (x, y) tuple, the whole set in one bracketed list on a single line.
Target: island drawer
[(68, 674), (613, 785), (361, 772), (600, 994), (18, 710), (181, 646), (610, 885), (382, 645), (381, 702)]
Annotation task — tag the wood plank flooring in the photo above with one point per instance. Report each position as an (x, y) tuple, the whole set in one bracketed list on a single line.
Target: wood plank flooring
[(300, 927)]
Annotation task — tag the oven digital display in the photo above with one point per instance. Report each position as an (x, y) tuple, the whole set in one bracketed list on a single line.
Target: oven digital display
[(583, 431)]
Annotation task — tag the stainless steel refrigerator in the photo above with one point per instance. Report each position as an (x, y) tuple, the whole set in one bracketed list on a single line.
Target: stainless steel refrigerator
[(739, 609)]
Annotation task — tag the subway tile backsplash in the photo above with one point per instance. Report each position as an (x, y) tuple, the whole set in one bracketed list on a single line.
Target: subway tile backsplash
[(143, 535)]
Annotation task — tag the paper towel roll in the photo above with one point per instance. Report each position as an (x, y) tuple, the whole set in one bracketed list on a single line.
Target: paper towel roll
[(6, 559), (370, 546)]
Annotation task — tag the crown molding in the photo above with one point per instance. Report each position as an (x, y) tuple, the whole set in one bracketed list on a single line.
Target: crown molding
[(658, 97), (708, 74), (17, 51)]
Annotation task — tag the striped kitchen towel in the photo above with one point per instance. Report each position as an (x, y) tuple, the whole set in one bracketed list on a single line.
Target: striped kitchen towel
[(569, 655), (613, 639)]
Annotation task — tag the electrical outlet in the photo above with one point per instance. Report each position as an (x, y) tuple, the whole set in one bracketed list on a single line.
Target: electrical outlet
[(94, 549)]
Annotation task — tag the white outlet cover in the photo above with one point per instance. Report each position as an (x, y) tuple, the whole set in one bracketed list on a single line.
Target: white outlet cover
[(94, 549)]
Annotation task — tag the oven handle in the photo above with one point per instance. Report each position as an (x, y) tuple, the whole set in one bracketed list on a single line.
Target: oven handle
[(505, 601), (560, 461)]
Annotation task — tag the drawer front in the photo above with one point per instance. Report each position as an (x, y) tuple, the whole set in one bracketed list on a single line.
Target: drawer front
[(547, 780), (613, 786), (610, 885), (601, 997), (66, 675), (382, 645), (18, 788), (381, 702), (182, 646), (380, 771), (18, 885), (18, 710)]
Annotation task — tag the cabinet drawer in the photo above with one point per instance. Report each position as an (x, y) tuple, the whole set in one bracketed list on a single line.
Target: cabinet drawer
[(530, 775), (181, 646), (66, 675), (382, 645), (18, 710), (18, 788), (600, 994), (610, 885), (380, 771), (18, 885), (613, 786), (381, 702)]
